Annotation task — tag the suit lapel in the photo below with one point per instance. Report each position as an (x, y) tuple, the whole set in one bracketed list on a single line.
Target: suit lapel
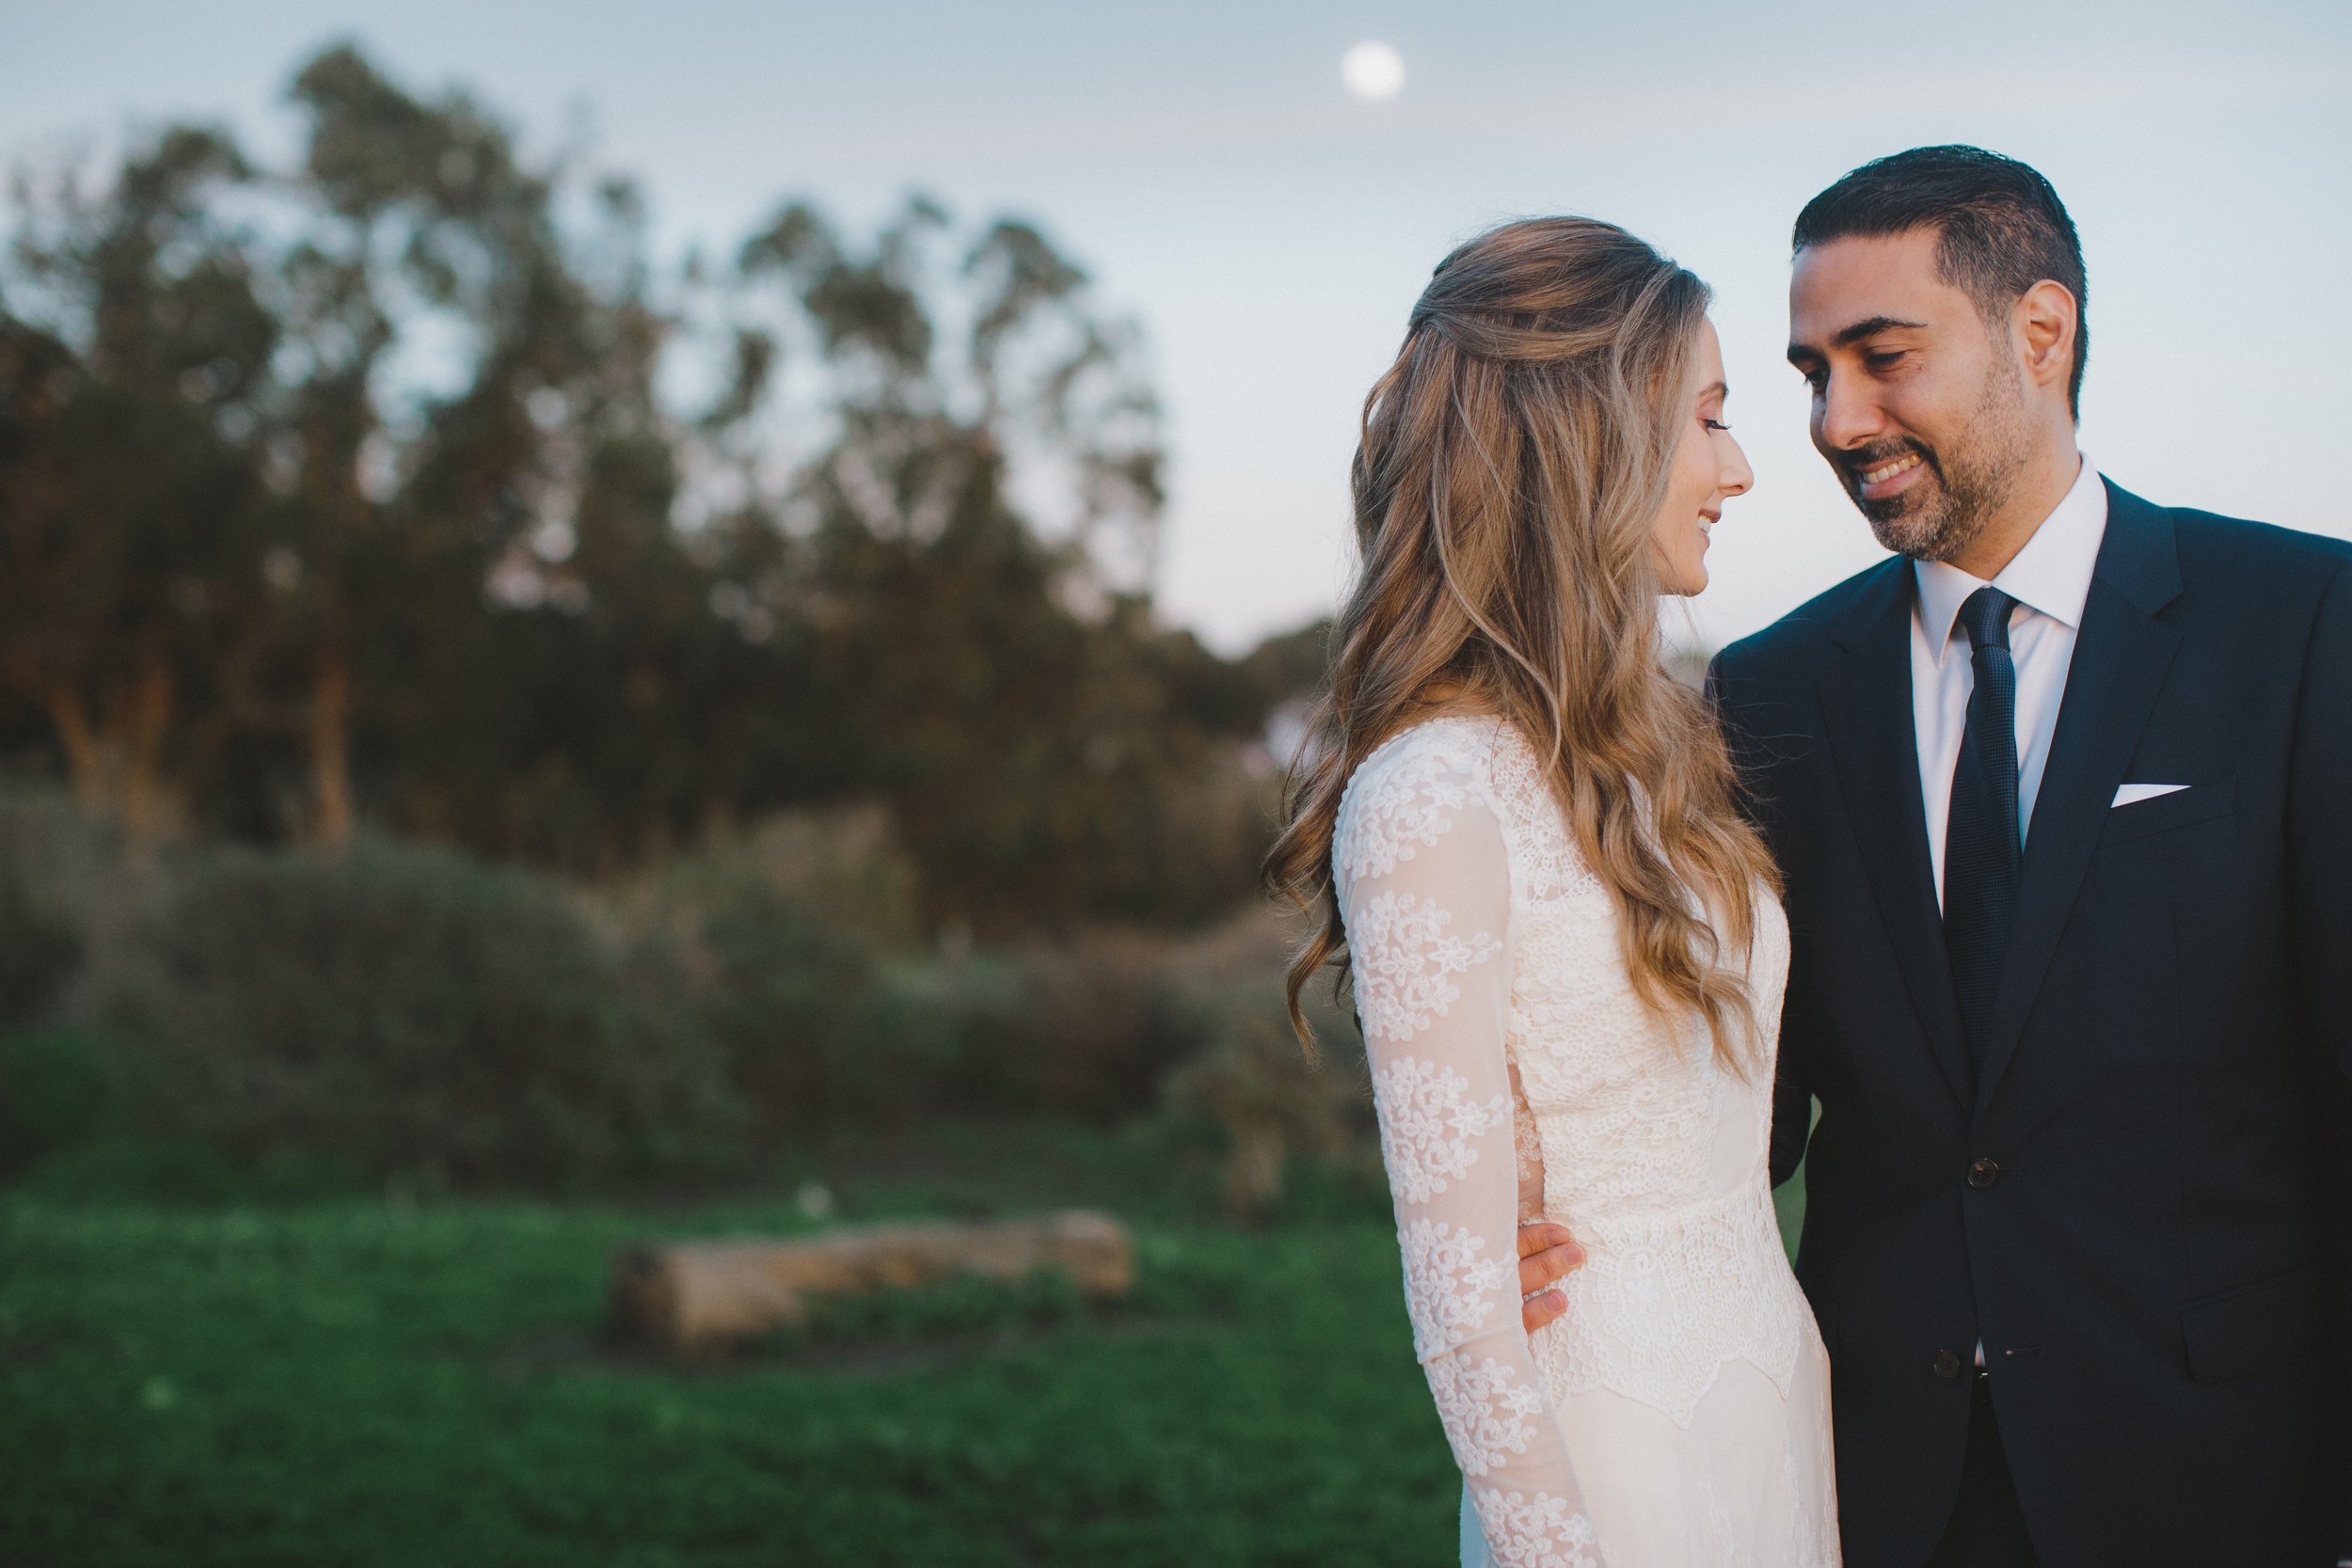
[(1867, 704), (2122, 655)]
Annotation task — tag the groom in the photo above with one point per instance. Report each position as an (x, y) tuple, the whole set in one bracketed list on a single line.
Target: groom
[(2063, 796)]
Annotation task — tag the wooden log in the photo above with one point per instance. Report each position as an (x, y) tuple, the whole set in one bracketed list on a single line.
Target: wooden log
[(690, 1298)]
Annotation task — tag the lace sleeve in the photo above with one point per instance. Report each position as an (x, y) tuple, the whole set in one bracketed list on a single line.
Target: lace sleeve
[(1425, 893)]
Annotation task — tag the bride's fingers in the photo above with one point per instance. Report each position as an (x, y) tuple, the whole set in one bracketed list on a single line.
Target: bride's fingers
[(1536, 1311)]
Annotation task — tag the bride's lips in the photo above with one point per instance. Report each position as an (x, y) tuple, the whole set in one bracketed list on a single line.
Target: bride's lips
[(1890, 478)]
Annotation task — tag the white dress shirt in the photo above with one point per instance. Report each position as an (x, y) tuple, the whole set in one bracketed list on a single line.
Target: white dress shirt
[(2049, 578)]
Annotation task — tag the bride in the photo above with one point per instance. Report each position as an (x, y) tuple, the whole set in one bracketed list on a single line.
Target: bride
[(1562, 939)]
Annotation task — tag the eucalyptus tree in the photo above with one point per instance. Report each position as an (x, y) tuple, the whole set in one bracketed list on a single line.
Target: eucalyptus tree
[(975, 512), (133, 358), (410, 484), (434, 331)]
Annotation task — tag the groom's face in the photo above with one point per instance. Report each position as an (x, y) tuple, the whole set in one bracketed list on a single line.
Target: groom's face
[(1918, 403)]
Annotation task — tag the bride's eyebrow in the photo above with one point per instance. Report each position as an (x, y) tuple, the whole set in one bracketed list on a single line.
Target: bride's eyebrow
[(1714, 390)]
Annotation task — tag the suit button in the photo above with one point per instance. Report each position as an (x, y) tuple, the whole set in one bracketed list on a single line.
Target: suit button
[(1982, 1174), (1948, 1366)]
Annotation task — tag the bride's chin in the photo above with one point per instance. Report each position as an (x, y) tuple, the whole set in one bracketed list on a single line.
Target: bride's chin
[(1672, 583)]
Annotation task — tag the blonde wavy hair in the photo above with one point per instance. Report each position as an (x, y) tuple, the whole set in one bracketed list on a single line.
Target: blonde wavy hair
[(1513, 461)]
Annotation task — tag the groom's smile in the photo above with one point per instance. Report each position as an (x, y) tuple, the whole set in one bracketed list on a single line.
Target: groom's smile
[(1890, 479)]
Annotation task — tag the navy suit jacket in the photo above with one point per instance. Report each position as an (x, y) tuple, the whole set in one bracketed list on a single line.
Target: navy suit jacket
[(2142, 1207)]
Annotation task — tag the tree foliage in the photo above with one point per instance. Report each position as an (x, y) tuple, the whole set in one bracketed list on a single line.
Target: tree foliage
[(407, 486)]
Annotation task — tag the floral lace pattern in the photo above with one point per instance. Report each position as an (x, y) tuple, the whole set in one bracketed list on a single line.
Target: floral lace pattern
[(1405, 980), (1427, 1119), (1415, 809), (1556, 1533), (1488, 1409), (1450, 1291)]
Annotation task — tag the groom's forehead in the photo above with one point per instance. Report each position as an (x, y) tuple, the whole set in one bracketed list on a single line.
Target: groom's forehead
[(1841, 285)]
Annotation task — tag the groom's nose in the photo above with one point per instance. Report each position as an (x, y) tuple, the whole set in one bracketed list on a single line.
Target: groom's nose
[(1847, 415)]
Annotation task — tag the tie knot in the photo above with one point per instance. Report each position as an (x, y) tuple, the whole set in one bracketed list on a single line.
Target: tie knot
[(1986, 616)]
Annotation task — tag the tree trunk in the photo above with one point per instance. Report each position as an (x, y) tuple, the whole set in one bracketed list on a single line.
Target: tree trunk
[(330, 749), (84, 760), (146, 721)]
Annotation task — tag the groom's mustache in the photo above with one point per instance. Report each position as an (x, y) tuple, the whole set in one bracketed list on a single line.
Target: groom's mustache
[(1852, 465)]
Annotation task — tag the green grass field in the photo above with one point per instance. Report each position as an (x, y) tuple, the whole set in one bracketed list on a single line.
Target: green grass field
[(360, 1382)]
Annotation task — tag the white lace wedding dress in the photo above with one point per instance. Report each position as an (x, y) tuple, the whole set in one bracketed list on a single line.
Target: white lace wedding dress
[(1677, 1415)]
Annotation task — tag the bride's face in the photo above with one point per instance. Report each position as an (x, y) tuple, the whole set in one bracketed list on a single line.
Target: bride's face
[(1709, 469)]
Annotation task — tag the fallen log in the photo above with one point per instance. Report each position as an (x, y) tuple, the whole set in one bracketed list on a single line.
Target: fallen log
[(691, 1298)]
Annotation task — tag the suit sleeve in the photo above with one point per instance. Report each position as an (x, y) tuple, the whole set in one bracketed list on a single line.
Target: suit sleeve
[(2319, 862), (1792, 1092)]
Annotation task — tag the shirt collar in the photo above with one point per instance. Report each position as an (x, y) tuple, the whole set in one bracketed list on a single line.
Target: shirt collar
[(2051, 574)]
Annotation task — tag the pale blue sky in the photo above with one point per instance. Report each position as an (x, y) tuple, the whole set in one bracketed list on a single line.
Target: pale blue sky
[(1271, 232)]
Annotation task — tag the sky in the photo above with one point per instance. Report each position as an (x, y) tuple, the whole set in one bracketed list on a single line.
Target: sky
[(1270, 230)]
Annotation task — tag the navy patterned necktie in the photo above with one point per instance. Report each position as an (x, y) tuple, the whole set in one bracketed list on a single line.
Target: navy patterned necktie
[(1982, 845)]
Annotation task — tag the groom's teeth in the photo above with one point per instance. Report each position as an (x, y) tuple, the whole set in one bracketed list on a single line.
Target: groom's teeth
[(1881, 475)]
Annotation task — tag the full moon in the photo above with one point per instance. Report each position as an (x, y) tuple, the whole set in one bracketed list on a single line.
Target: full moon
[(1373, 70)]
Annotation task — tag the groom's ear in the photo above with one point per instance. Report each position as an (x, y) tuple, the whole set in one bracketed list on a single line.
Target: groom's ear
[(2045, 321)]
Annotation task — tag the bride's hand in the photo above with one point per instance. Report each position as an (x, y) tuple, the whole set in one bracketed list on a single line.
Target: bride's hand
[(1547, 1253)]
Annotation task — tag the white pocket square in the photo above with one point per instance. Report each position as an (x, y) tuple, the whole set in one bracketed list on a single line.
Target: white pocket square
[(2130, 794)]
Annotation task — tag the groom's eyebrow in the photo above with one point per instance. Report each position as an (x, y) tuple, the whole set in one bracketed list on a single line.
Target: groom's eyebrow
[(1870, 328)]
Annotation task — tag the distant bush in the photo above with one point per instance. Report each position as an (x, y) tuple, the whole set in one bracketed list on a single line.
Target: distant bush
[(843, 864), (801, 1011), (412, 1011), (822, 1027), (283, 1021), (1243, 1071), (1079, 1029), (51, 865)]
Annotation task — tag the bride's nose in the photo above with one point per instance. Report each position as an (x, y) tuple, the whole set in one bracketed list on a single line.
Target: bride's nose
[(1737, 478)]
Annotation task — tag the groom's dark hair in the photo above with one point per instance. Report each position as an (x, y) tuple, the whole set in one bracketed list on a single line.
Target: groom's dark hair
[(2000, 227)]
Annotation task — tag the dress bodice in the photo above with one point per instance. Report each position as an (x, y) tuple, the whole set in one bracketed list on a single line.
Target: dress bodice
[(1652, 1150)]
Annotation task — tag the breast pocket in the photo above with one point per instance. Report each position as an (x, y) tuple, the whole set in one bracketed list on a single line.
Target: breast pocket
[(2197, 803)]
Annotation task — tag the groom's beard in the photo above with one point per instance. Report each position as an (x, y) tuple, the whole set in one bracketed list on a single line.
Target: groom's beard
[(1969, 481)]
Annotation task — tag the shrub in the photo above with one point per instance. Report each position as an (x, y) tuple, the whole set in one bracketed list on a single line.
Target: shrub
[(1077, 1029), (51, 865), (1268, 1100), (841, 864), (822, 1026), (811, 1030), (1246, 1072), (412, 1011)]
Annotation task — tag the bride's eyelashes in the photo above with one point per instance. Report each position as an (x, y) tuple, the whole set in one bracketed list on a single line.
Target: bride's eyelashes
[(1713, 424)]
